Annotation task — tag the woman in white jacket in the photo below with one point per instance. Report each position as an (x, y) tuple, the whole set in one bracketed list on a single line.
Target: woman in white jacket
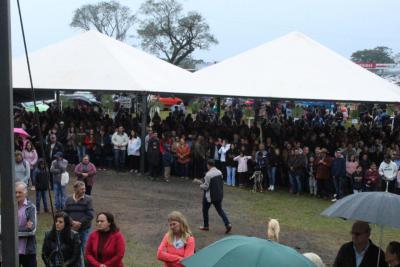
[(134, 145), (222, 152), (242, 168)]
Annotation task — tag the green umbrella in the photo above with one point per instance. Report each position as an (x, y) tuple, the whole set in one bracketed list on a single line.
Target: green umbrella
[(42, 107), (242, 251)]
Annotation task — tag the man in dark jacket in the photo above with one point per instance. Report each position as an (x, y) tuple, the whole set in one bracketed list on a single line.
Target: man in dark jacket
[(213, 187), (53, 148), (154, 156), (41, 180), (361, 252), (338, 172)]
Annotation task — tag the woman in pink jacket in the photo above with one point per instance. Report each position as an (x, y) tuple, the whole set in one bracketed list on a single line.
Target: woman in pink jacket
[(178, 242), (30, 155), (86, 172)]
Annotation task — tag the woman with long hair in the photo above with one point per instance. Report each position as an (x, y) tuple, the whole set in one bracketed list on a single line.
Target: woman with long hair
[(106, 245), (61, 245), (30, 155), (133, 150), (178, 243)]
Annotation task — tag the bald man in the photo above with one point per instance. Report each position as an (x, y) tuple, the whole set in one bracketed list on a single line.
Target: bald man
[(360, 252)]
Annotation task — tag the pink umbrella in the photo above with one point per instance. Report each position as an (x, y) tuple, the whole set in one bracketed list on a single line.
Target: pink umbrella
[(21, 132)]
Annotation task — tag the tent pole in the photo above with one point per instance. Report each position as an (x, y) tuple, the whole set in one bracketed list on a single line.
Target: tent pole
[(58, 100), (219, 107), (8, 202), (143, 133)]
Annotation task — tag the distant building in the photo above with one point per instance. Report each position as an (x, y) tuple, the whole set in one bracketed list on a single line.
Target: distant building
[(390, 72)]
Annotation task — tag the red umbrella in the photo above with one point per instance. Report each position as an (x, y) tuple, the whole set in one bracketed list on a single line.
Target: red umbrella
[(21, 132)]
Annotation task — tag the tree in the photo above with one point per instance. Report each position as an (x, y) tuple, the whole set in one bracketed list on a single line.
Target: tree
[(109, 18), (167, 33), (380, 54)]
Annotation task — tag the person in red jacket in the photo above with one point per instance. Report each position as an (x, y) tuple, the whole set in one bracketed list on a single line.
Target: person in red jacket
[(371, 178), (105, 246), (178, 243)]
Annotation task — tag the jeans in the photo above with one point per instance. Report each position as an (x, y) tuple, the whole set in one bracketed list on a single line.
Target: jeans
[(183, 169), (231, 176), (119, 157), (59, 195), (41, 195), (153, 169), (218, 207), (337, 186), (272, 175), (312, 183), (295, 182), (81, 151), (83, 235)]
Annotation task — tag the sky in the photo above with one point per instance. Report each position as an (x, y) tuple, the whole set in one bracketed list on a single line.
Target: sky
[(344, 26)]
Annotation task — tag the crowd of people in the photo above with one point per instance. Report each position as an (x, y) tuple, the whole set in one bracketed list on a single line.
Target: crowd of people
[(314, 154)]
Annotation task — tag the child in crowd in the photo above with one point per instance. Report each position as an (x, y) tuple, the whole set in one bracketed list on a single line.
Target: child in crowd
[(167, 159), (41, 184), (371, 178), (242, 167), (312, 182), (357, 180)]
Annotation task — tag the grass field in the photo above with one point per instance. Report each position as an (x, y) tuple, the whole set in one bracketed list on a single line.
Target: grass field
[(141, 206)]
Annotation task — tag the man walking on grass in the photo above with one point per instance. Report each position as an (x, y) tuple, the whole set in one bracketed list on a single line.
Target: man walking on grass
[(213, 187)]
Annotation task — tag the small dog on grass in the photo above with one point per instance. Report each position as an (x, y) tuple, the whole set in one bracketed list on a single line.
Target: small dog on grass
[(258, 181)]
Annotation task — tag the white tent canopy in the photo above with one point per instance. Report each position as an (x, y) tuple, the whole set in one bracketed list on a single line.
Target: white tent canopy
[(93, 61), (294, 67)]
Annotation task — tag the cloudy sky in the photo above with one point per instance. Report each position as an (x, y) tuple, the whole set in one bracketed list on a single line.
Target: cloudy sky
[(343, 25)]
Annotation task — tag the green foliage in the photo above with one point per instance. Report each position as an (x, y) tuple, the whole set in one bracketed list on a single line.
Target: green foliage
[(380, 54), (154, 106), (248, 112), (66, 102), (110, 18), (107, 102), (169, 34), (298, 111), (196, 105)]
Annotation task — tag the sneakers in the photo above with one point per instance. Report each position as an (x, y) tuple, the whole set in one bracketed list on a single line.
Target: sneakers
[(228, 228), (202, 228), (334, 199)]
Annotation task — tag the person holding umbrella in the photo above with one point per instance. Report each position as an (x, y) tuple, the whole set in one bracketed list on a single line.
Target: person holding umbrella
[(360, 252)]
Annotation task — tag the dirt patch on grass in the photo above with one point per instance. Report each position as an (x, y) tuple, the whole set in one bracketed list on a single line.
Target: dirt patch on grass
[(141, 207)]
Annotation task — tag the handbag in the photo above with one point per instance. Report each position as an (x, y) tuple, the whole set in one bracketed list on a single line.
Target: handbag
[(64, 178)]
